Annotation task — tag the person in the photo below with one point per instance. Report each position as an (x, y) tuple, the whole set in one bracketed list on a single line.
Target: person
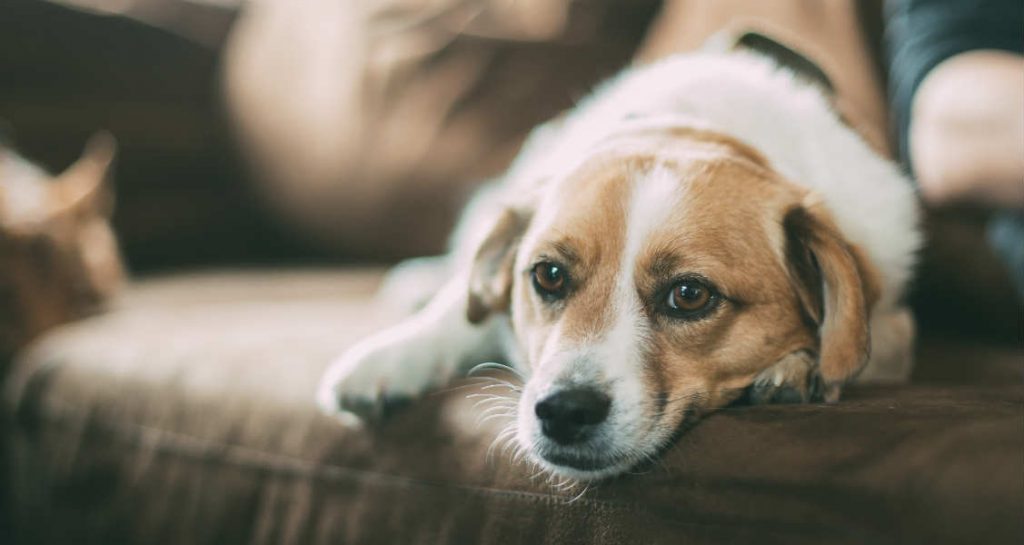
[(956, 89)]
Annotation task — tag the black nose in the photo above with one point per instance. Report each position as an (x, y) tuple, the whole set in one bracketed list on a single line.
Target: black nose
[(566, 416)]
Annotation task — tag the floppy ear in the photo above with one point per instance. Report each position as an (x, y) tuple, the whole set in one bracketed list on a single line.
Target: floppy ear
[(490, 278), (837, 289)]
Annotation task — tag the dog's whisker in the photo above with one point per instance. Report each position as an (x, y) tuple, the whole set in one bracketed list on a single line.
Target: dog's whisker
[(504, 440), (503, 384), (505, 437), (496, 366), (494, 445), (472, 382), (484, 395), (497, 407), (513, 452), (488, 456), (496, 411), (487, 398), (484, 420), (483, 403), (502, 437), (502, 412), (492, 400), (564, 484), (523, 455), (580, 495), (493, 416), (519, 455)]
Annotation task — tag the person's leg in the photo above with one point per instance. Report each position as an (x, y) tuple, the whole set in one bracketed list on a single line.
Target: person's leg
[(957, 98), (829, 34), (956, 89), (966, 139)]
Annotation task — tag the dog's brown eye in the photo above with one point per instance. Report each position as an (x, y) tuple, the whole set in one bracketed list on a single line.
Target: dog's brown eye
[(549, 279), (689, 296)]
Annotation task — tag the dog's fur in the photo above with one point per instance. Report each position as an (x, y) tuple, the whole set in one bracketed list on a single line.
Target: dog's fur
[(718, 167)]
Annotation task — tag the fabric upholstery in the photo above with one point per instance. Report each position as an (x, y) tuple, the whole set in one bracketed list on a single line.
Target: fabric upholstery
[(186, 416)]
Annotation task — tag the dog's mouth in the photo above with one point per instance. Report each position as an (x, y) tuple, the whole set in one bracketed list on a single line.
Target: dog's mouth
[(580, 462), (598, 459), (583, 466), (619, 442)]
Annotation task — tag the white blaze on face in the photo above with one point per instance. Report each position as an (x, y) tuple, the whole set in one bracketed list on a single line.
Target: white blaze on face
[(620, 353), (612, 360)]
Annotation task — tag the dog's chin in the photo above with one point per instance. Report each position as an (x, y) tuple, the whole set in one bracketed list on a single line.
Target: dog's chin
[(582, 467)]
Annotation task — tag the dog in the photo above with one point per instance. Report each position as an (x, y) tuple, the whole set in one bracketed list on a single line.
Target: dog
[(698, 231)]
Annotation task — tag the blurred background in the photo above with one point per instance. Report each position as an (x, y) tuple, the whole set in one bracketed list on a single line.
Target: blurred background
[(147, 71), (277, 132), (163, 76)]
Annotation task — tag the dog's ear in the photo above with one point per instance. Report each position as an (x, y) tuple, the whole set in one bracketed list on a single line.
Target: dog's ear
[(83, 184), (837, 288), (490, 278)]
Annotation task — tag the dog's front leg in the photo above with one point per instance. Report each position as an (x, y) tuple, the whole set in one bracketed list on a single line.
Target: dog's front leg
[(398, 364)]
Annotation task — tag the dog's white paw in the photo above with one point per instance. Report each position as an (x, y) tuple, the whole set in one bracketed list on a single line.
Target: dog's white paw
[(410, 285), (793, 379), (382, 373)]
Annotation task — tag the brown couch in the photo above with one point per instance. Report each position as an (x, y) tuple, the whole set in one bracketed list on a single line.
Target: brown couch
[(185, 414)]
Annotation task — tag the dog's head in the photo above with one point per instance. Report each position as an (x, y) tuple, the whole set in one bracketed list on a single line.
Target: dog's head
[(655, 282)]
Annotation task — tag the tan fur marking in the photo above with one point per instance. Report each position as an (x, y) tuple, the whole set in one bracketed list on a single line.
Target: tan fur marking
[(850, 289)]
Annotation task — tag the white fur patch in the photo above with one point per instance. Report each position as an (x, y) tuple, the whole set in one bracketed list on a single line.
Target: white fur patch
[(654, 198), (621, 352)]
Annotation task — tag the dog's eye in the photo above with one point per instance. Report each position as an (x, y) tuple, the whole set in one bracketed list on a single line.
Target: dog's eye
[(689, 297), (549, 279)]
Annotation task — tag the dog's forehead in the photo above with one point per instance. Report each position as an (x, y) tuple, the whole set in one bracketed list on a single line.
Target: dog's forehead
[(711, 202)]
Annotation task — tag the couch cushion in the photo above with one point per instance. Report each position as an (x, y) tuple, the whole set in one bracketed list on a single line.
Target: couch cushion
[(186, 416)]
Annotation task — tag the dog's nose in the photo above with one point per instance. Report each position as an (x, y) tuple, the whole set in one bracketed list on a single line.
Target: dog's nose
[(566, 416)]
